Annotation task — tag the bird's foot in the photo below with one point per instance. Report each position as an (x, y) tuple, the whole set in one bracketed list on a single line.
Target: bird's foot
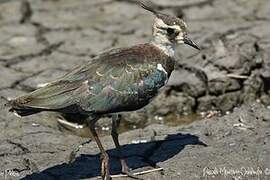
[(135, 174), (105, 168), (126, 171)]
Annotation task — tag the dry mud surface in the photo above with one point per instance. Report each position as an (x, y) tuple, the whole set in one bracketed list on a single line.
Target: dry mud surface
[(41, 40)]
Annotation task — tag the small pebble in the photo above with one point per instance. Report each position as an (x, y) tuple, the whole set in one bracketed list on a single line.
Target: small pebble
[(35, 124), (105, 128)]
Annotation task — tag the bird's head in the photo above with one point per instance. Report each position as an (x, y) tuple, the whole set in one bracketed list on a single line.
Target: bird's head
[(168, 29)]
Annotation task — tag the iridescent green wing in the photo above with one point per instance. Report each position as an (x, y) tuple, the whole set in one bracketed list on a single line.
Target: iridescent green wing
[(112, 81), (121, 88), (64, 92)]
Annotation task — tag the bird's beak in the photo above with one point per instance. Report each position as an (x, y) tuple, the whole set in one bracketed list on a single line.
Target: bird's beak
[(191, 43)]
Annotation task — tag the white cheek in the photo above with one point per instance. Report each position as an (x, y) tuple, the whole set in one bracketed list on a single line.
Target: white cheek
[(180, 38)]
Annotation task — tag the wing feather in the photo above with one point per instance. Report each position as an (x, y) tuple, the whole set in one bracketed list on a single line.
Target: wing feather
[(56, 95), (110, 82)]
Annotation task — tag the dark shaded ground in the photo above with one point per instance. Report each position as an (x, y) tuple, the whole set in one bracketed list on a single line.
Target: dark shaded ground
[(237, 143), (42, 40)]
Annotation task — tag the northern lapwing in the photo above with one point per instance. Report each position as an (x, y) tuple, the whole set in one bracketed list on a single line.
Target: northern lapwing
[(124, 79)]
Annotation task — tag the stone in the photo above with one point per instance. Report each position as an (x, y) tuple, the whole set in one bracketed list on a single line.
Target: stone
[(9, 77)]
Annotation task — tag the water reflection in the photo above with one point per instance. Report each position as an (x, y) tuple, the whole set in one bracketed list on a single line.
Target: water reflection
[(178, 120), (105, 128)]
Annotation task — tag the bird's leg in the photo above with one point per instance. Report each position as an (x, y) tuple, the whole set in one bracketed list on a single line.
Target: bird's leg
[(105, 168), (114, 133)]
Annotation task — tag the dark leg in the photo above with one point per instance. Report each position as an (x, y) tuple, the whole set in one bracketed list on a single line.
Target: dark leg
[(114, 133), (105, 168)]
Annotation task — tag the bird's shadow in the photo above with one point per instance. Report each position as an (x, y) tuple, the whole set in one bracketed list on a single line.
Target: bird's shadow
[(138, 156)]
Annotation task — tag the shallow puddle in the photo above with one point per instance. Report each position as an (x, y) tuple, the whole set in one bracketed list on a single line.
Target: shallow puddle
[(170, 120)]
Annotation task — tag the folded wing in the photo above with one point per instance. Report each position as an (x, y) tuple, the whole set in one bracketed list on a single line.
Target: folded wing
[(113, 81)]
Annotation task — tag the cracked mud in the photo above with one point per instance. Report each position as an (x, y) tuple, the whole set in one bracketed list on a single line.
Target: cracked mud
[(41, 40)]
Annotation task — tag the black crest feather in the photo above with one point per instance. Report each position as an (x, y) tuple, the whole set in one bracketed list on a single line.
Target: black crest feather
[(148, 8), (168, 19)]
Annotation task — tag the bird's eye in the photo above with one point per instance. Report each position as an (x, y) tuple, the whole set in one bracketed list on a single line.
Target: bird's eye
[(170, 31)]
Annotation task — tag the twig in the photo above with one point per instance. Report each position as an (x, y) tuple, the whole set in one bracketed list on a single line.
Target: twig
[(236, 76), (138, 173)]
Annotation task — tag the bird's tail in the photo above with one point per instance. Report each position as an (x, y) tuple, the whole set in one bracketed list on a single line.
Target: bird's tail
[(57, 96), (11, 105), (15, 107)]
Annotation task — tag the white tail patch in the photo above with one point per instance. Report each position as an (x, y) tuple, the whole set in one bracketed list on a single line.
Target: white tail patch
[(69, 124)]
